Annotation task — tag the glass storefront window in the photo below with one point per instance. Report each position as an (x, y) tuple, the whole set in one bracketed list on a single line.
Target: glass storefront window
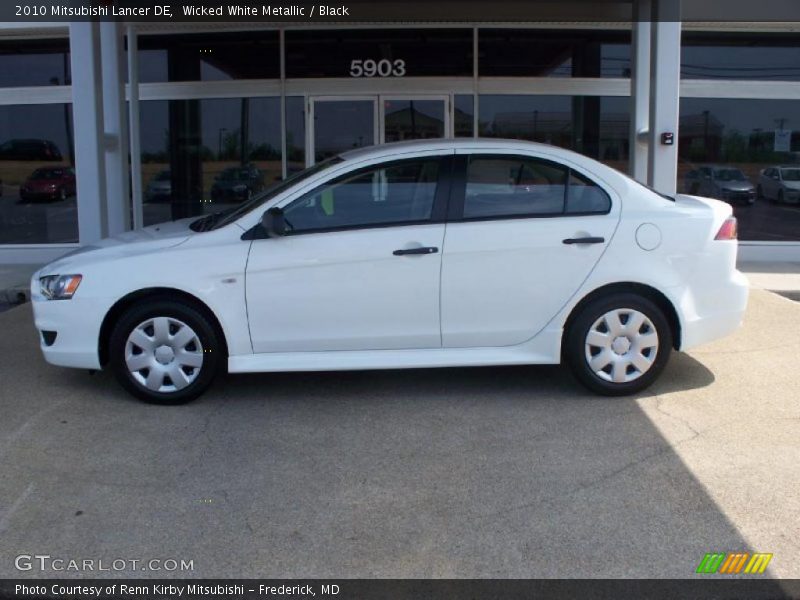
[(379, 53), (413, 119), (596, 126), (209, 56), (733, 150), (463, 116), (295, 134), (553, 53), (737, 56), (34, 63), (202, 156), (38, 203)]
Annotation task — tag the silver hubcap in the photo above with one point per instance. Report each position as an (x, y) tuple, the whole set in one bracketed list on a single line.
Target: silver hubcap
[(621, 345), (164, 354)]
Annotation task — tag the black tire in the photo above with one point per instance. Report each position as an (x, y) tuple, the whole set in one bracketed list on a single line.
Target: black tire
[(212, 363), (575, 347)]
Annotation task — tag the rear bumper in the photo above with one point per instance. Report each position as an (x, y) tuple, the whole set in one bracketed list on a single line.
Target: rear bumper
[(716, 314)]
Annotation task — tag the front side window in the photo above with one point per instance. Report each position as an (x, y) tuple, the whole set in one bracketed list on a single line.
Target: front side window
[(401, 192)]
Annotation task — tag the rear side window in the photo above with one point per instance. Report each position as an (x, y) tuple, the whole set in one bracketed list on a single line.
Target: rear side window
[(513, 186)]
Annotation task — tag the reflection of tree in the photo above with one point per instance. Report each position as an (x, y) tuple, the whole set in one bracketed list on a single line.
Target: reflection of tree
[(230, 146), (734, 147)]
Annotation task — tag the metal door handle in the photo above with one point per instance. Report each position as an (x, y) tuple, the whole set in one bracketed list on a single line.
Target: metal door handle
[(423, 250), (585, 240)]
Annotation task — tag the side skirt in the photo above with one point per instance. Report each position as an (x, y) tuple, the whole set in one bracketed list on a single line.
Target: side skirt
[(545, 348)]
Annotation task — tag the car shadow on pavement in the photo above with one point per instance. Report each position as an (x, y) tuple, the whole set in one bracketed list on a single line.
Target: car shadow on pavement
[(483, 472)]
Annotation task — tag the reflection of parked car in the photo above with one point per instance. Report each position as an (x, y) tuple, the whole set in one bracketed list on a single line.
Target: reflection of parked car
[(235, 184), (160, 188), (49, 183), (781, 184), (725, 183), (29, 150)]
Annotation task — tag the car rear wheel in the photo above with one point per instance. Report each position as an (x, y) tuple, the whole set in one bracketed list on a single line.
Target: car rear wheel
[(618, 344), (165, 352)]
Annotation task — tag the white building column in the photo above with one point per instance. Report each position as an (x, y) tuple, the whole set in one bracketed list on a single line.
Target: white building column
[(117, 196), (640, 91), (665, 79), (87, 117)]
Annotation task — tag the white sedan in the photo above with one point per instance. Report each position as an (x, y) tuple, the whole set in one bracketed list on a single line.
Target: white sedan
[(419, 254)]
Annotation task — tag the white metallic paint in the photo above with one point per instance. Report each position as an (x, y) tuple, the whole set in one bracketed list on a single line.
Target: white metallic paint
[(340, 300)]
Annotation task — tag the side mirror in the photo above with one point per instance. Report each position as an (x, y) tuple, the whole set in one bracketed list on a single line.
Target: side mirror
[(273, 222)]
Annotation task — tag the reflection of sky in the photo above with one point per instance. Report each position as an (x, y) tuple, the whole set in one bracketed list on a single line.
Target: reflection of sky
[(31, 69), (43, 122), (709, 62), (745, 115), (218, 117)]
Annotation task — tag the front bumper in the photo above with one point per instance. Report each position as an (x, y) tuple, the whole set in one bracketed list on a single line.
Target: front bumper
[(75, 322)]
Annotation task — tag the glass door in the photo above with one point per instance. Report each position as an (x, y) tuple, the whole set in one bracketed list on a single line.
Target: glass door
[(341, 124), (414, 118)]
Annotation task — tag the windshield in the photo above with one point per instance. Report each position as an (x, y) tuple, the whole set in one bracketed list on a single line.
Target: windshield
[(47, 174), (234, 175), (790, 174), (730, 175), (220, 219)]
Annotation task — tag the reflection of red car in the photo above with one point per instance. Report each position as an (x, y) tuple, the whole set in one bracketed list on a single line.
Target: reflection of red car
[(49, 183)]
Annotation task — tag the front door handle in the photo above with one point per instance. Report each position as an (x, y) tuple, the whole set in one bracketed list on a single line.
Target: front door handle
[(422, 250), (585, 240)]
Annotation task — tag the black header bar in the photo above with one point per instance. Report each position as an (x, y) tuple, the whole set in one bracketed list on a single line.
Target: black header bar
[(281, 12)]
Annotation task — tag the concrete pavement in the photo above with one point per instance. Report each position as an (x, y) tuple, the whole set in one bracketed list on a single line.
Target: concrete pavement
[(494, 472)]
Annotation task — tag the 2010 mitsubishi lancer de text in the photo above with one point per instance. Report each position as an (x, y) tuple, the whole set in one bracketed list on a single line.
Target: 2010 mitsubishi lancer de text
[(418, 254)]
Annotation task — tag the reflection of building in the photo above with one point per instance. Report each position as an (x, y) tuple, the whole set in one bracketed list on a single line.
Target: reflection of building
[(212, 98), (410, 123)]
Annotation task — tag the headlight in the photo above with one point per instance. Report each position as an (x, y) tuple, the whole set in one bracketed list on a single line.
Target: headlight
[(59, 287)]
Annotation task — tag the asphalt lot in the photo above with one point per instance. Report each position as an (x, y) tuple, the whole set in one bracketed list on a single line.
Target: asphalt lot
[(496, 472)]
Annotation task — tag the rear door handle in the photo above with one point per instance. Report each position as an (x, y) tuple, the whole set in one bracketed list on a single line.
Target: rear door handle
[(422, 250), (585, 240)]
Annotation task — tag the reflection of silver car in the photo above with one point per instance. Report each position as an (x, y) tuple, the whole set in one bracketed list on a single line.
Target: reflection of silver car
[(160, 188), (725, 183), (781, 184)]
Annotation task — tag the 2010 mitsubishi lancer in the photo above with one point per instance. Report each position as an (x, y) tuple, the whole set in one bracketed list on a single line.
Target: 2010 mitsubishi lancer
[(418, 254)]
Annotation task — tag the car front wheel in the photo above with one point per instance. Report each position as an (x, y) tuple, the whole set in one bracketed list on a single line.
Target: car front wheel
[(165, 352), (618, 344)]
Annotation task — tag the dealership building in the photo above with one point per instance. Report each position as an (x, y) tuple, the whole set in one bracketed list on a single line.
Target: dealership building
[(109, 126)]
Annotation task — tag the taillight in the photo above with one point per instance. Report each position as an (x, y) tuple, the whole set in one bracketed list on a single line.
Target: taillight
[(728, 231)]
